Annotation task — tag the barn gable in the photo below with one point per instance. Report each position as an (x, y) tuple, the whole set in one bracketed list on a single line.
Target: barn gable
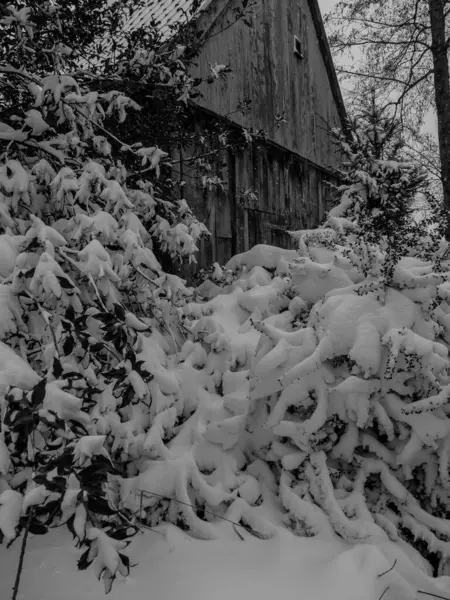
[(282, 64), (167, 12)]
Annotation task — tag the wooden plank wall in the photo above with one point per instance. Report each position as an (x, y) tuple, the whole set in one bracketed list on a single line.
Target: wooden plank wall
[(267, 191), (267, 72), (289, 175)]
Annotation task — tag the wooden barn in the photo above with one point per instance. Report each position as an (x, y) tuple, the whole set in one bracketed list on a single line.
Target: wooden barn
[(282, 70)]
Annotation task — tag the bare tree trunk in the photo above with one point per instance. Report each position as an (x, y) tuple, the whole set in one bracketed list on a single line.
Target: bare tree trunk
[(442, 92)]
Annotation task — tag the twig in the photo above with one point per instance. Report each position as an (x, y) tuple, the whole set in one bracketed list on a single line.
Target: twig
[(140, 517), (241, 537), (138, 270), (109, 349), (433, 595), (209, 512), (47, 320), (386, 589), (97, 293), (22, 554), (389, 570)]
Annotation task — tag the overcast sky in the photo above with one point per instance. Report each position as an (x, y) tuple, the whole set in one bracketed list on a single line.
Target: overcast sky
[(326, 5)]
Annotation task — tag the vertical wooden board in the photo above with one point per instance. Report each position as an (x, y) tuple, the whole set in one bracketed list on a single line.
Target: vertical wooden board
[(281, 66), (313, 206), (207, 254), (232, 197), (257, 54), (302, 66), (282, 183), (246, 231), (254, 228), (223, 250), (242, 65), (241, 171), (263, 175), (223, 200), (277, 201), (265, 65), (295, 83), (273, 169), (222, 216)]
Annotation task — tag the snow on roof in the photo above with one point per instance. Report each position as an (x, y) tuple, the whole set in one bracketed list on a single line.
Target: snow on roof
[(164, 13)]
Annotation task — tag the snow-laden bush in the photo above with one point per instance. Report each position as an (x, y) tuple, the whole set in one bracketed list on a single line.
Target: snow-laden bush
[(355, 380), (106, 386), (350, 379), (346, 395), (126, 399), (89, 322)]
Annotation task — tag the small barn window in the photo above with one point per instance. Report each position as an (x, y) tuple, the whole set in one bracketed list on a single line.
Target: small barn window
[(298, 50)]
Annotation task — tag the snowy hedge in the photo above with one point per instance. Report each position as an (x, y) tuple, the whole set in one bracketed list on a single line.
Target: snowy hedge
[(317, 379)]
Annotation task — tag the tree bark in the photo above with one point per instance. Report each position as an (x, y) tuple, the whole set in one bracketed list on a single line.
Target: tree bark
[(442, 93)]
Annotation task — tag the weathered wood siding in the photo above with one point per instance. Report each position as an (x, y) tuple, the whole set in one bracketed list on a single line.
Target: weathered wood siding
[(267, 72), (289, 174), (267, 191)]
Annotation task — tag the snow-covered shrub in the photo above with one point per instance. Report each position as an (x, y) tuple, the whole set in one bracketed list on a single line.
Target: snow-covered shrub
[(380, 188), (352, 382), (90, 379), (338, 357), (127, 398), (109, 372)]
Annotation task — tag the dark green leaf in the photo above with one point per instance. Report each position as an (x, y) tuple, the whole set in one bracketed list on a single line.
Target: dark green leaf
[(126, 561), (123, 533), (69, 524), (38, 528), (57, 368), (119, 312), (83, 562), (78, 428), (100, 506), (70, 314), (127, 396), (105, 317), (64, 283), (38, 393), (69, 345)]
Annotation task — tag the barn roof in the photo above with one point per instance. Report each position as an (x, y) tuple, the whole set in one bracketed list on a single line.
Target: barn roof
[(328, 59), (167, 12), (164, 12)]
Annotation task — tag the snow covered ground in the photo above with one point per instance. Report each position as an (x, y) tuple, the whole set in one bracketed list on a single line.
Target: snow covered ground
[(173, 566)]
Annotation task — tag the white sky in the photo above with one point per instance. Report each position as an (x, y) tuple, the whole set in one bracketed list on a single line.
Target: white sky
[(430, 121), (326, 5)]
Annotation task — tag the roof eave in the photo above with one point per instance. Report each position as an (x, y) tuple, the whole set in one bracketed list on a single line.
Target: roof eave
[(328, 59)]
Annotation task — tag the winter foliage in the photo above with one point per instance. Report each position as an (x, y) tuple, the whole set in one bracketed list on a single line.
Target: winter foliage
[(319, 377), (90, 323)]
